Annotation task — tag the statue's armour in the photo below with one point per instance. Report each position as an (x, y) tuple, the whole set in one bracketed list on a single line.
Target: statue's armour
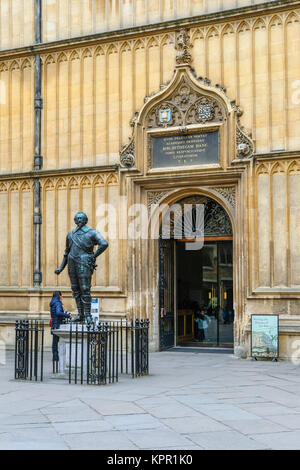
[(86, 239)]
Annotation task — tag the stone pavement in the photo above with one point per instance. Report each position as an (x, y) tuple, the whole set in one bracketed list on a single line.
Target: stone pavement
[(190, 401)]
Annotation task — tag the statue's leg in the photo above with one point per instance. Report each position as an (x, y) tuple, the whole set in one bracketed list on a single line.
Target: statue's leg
[(87, 300), (75, 286), (85, 285), (80, 308)]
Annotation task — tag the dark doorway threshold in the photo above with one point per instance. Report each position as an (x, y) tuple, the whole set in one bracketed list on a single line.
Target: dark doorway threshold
[(198, 350)]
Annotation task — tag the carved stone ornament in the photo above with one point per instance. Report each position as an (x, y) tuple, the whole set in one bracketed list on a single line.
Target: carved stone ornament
[(154, 197), (127, 155), (183, 46), (228, 192), (244, 142), (185, 106)]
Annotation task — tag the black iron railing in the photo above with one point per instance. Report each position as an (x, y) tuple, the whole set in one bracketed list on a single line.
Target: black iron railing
[(29, 350), (97, 353)]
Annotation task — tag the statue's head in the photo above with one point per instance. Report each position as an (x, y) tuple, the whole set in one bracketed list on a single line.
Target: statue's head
[(81, 218)]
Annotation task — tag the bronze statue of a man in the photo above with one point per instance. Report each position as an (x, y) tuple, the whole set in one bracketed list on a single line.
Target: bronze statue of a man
[(81, 260)]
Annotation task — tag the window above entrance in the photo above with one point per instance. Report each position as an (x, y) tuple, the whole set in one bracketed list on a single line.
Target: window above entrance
[(184, 219)]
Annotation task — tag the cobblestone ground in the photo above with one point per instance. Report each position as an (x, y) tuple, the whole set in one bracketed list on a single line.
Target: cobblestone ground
[(190, 401)]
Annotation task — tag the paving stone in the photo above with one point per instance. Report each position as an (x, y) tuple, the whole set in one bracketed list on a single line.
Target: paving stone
[(199, 423), (267, 409), (154, 439), (43, 438), (280, 441), (254, 426), (242, 400), (170, 410), (21, 405), (110, 440), (110, 407), (140, 421), (289, 421), (225, 440), (222, 412), (24, 418), (69, 413), (194, 400), (281, 397), (80, 427)]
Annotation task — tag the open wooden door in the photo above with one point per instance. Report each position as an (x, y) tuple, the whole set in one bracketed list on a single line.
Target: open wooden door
[(166, 293)]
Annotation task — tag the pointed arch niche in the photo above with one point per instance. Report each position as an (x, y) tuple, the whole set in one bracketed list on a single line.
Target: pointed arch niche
[(187, 111)]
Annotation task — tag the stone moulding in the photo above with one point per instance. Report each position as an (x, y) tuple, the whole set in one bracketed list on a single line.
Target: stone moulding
[(227, 192)]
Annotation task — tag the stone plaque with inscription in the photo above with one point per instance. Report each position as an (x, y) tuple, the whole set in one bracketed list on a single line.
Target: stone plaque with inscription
[(201, 148)]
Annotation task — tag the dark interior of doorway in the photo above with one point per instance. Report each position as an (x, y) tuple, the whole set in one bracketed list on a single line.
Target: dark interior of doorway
[(204, 294)]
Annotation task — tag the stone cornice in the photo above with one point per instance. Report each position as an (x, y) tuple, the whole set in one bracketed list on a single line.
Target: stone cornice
[(59, 172), (276, 155), (166, 26), (168, 181)]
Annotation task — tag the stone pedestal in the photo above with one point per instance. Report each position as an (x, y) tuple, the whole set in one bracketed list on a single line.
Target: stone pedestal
[(64, 349)]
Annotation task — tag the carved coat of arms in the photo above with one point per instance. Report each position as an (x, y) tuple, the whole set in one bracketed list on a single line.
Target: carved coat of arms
[(204, 112), (164, 114)]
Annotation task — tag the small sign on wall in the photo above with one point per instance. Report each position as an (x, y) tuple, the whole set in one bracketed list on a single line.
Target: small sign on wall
[(265, 336)]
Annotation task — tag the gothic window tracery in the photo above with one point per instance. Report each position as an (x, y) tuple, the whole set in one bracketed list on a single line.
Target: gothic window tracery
[(185, 221)]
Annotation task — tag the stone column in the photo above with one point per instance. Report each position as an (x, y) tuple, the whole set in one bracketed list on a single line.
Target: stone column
[(38, 21), (38, 159)]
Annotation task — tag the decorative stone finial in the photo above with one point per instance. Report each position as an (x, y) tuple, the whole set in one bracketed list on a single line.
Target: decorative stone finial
[(127, 155), (183, 47)]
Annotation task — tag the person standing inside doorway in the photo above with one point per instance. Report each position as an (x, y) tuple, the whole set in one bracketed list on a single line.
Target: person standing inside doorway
[(58, 314), (199, 320), (202, 321)]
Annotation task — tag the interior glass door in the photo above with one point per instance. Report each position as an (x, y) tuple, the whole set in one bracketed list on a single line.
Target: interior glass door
[(226, 312), (205, 294)]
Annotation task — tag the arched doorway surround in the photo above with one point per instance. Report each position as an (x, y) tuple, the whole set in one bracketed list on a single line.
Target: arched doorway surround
[(196, 274), (186, 107)]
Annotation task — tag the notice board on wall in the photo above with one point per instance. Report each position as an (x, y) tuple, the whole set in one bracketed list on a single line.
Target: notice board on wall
[(265, 336)]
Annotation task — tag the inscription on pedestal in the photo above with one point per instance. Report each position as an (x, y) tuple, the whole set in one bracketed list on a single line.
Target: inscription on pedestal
[(201, 148)]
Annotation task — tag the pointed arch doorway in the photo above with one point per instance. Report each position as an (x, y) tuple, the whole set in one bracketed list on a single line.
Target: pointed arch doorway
[(196, 280)]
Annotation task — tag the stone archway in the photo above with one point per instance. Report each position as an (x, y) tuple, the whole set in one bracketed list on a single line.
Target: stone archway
[(179, 285)]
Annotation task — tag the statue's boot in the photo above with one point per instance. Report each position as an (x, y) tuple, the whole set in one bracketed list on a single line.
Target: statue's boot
[(78, 319), (86, 300), (80, 316)]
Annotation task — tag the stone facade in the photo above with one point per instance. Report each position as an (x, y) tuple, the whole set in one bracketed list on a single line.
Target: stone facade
[(107, 66)]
